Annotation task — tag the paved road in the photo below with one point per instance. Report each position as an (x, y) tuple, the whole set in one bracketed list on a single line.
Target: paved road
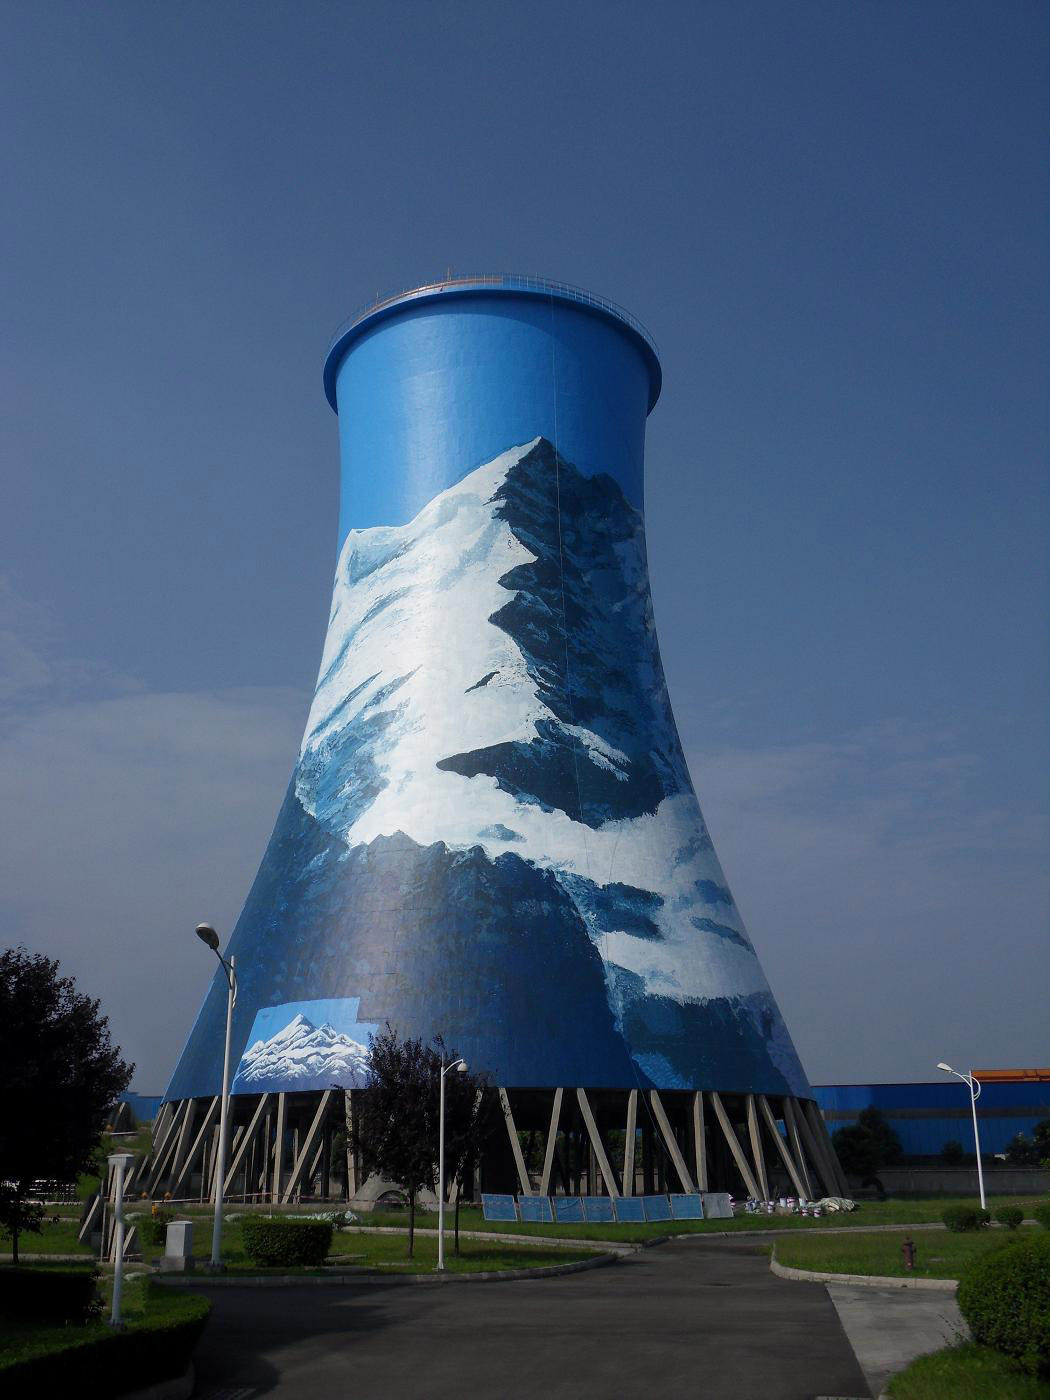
[(710, 1323)]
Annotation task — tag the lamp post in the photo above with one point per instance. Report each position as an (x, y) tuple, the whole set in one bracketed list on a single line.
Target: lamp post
[(461, 1066), (119, 1162), (207, 935), (975, 1093)]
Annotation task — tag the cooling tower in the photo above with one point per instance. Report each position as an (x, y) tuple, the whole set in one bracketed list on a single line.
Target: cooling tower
[(490, 833)]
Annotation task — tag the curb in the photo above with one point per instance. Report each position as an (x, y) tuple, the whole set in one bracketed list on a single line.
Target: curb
[(600, 1261), (937, 1285), (544, 1241)]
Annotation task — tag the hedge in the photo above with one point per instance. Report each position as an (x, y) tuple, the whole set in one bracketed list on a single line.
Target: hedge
[(153, 1229), (1004, 1295), (155, 1347), (963, 1219), (58, 1296), (293, 1243), (1010, 1216), (1042, 1214)]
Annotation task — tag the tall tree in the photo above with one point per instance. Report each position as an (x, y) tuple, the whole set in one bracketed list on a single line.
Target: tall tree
[(867, 1145), (60, 1076), (395, 1119), (472, 1115), (394, 1127)]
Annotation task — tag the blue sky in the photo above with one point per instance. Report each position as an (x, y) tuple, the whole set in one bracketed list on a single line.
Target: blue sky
[(834, 219)]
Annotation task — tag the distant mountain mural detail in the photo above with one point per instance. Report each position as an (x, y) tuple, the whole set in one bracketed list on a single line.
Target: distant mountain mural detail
[(491, 832), (302, 1055)]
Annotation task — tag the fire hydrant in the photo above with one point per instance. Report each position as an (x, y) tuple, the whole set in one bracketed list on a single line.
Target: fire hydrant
[(908, 1250)]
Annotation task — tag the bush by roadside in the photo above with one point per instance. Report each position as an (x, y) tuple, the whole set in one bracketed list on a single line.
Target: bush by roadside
[(963, 1219), (286, 1243), (94, 1360), (58, 1296), (1005, 1299)]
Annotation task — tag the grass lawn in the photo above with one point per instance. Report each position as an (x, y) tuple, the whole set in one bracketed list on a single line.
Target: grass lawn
[(60, 1238), (140, 1308), (389, 1253), (899, 1211), (938, 1253), (966, 1372)]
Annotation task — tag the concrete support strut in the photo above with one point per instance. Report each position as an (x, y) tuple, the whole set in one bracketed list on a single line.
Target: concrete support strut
[(597, 1146), (732, 1141)]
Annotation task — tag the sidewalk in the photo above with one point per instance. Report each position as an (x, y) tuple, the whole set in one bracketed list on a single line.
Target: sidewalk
[(889, 1327)]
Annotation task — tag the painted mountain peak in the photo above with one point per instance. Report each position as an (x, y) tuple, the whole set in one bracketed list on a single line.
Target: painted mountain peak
[(491, 833), (302, 1056)]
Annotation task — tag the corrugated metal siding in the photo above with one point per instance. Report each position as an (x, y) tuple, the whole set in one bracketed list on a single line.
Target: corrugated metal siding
[(926, 1116)]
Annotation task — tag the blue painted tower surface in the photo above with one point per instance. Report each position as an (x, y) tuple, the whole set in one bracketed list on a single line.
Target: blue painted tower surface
[(491, 833)]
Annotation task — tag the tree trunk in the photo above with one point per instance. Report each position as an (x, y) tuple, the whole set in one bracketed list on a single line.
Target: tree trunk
[(14, 1230), (458, 1194), (411, 1222)]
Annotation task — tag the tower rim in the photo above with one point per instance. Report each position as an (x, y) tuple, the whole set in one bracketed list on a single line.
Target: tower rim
[(493, 285)]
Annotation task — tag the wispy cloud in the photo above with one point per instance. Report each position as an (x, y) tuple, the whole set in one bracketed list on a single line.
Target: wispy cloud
[(900, 918), (125, 819)]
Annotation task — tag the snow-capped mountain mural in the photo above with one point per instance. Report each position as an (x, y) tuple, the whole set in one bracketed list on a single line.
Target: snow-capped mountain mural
[(491, 832), (302, 1054)]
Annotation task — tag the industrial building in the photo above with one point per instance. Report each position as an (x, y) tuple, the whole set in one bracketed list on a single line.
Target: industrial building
[(491, 833)]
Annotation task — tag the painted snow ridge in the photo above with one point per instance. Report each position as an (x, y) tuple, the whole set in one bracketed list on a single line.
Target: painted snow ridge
[(302, 1056), (491, 681)]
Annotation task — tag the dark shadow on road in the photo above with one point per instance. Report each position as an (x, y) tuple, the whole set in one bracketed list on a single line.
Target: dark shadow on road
[(711, 1323)]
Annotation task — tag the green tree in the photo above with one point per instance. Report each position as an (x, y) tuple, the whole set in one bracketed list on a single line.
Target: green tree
[(395, 1117), (867, 1145), (62, 1075), (953, 1153), (394, 1127), (1034, 1151), (472, 1115)]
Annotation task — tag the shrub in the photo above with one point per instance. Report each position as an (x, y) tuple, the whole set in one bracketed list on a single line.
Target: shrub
[(952, 1153), (272, 1243), (49, 1295), (1004, 1295), (153, 1229), (1042, 1214), (1010, 1216), (963, 1219), (154, 1347)]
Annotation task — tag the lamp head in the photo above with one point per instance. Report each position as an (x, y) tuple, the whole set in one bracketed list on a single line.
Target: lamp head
[(947, 1068), (462, 1067), (207, 934)]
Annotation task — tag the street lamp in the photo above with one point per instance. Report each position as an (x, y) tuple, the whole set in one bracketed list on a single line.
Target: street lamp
[(119, 1163), (975, 1094), (207, 934), (461, 1066)]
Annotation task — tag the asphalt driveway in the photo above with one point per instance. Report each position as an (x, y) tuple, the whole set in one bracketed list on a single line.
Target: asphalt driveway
[(674, 1321)]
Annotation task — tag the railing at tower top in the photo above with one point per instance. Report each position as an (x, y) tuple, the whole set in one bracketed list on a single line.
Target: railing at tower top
[(504, 281)]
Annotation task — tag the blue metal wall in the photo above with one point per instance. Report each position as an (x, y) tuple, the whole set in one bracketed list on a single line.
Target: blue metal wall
[(926, 1116), (491, 832)]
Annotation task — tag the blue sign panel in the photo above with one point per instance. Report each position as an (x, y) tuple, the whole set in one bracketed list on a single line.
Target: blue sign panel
[(598, 1209), (568, 1210), (629, 1210), (656, 1208), (687, 1208), (535, 1208), (491, 715), (498, 1207)]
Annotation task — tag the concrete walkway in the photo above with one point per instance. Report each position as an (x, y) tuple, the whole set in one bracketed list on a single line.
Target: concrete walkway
[(889, 1327)]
